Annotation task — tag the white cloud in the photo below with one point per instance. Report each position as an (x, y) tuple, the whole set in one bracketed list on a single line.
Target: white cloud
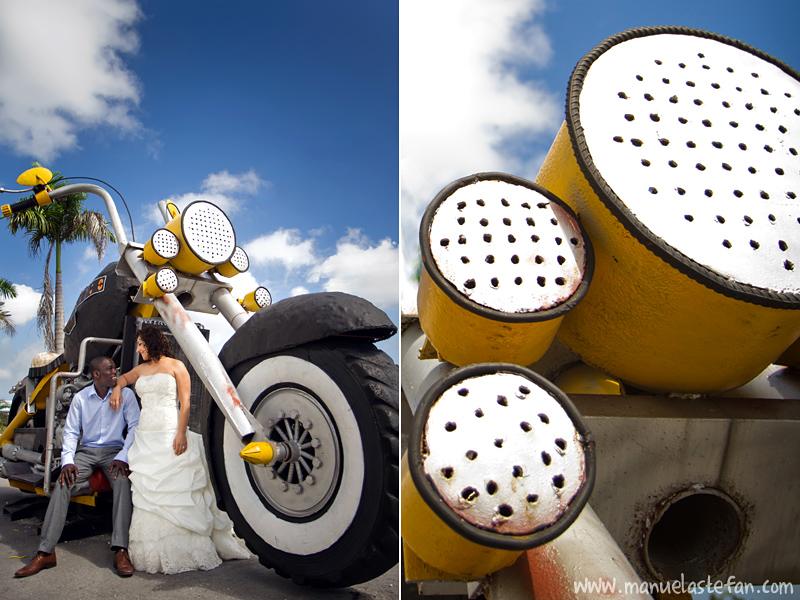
[(222, 189), (462, 105), (89, 261), (361, 269), (15, 361), (61, 71), (299, 291), (225, 183), (23, 307), (284, 247)]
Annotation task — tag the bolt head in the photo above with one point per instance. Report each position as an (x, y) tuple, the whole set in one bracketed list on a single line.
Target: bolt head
[(294, 414), (310, 480), (316, 443), (283, 486), (307, 424), (270, 473), (270, 423), (298, 489), (317, 463), (281, 414)]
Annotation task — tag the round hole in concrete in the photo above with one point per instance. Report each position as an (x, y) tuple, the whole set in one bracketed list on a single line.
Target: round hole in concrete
[(696, 533)]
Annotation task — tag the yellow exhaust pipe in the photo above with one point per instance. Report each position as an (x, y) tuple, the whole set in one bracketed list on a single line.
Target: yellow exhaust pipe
[(499, 461), (256, 300), (503, 261), (689, 206), (206, 236)]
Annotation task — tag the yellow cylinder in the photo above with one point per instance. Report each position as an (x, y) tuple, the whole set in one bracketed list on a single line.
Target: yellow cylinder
[(239, 263), (206, 235), (163, 281), (437, 544), (498, 461), (162, 247), (503, 261), (584, 379), (256, 300), (694, 234)]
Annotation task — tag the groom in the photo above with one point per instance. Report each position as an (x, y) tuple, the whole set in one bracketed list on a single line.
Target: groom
[(102, 446)]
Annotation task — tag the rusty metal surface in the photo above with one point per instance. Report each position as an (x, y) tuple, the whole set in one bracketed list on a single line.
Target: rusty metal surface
[(653, 447), (503, 453)]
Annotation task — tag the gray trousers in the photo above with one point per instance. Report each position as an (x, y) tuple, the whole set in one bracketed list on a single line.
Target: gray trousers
[(87, 460)]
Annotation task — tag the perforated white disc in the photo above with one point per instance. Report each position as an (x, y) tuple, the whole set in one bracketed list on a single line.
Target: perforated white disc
[(507, 247), (503, 453), (700, 140), (208, 232)]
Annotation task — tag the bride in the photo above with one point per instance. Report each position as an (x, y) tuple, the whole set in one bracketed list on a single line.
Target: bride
[(176, 525)]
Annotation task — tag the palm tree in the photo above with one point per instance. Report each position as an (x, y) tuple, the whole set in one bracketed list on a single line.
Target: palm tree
[(7, 290), (50, 227)]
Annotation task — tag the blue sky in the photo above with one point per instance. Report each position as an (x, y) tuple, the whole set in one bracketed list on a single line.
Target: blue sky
[(483, 84), (282, 113)]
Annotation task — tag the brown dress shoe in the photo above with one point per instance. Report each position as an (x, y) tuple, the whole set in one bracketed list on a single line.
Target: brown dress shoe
[(122, 563), (39, 562)]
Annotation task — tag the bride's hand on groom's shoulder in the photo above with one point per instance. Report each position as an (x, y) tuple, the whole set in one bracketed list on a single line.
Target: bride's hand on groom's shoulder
[(116, 399)]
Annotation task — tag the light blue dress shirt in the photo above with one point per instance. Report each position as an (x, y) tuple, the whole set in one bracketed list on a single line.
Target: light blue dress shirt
[(102, 425)]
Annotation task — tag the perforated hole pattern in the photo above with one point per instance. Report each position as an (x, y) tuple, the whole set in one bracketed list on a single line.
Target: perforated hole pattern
[(700, 141), (240, 260), (166, 280), (495, 462), (263, 297), (507, 247), (166, 243), (208, 232)]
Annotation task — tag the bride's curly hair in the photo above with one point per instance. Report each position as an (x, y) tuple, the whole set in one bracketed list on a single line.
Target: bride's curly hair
[(156, 343)]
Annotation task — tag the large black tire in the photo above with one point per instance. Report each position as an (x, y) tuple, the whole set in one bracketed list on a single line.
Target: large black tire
[(330, 520)]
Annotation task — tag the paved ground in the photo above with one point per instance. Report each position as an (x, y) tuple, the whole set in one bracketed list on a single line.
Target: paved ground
[(85, 571)]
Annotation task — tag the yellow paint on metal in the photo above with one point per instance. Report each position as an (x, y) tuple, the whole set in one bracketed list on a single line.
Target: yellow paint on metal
[(249, 302), (85, 499), (228, 270), (438, 545), (150, 288), (186, 261), (172, 209), (43, 198), (416, 569), (463, 337), (42, 390), (151, 256), (585, 379), (40, 394), (645, 322), (26, 487), (6, 209), (19, 420), (145, 311), (258, 453), (35, 176)]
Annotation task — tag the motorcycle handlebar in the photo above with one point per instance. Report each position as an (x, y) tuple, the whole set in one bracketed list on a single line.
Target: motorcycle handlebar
[(17, 207)]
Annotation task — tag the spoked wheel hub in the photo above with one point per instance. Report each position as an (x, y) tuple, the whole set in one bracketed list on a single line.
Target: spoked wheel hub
[(303, 484)]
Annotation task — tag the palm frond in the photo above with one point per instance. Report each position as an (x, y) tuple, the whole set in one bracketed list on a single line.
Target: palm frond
[(6, 322), (7, 289), (44, 314)]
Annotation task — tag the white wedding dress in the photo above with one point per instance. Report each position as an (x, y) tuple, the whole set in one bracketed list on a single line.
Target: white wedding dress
[(176, 525)]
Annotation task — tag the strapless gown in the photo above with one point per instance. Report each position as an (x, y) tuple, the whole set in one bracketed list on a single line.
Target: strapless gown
[(176, 525)]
